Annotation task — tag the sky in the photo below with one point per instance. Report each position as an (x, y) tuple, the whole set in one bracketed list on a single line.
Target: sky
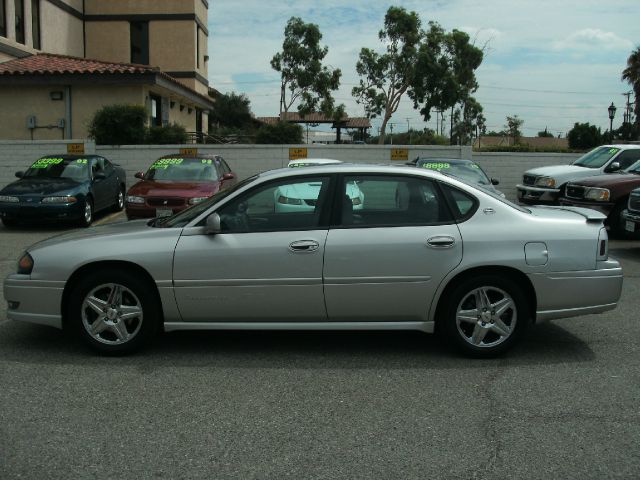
[(551, 63)]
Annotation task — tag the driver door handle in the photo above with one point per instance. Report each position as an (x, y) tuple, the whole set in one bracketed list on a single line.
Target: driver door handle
[(304, 246), (441, 241)]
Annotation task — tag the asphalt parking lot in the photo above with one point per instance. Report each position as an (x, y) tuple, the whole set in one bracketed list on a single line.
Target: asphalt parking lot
[(564, 404)]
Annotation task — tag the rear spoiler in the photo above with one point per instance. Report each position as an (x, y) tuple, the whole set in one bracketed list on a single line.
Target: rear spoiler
[(588, 213)]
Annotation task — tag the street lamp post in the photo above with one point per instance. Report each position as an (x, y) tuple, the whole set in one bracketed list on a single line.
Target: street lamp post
[(612, 113)]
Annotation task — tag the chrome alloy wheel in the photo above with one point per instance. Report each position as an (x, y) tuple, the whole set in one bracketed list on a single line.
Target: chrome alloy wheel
[(88, 212), (120, 204), (112, 314), (486, 317)]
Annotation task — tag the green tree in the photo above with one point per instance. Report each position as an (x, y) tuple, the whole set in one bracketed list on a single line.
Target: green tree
[(172, 134), (631, 74), (545, 134), (119, 125), (232, 111), (467, 121), (280, 133), (513, 128), (445, 74), (304, 80), (388, 76), (584, 136)]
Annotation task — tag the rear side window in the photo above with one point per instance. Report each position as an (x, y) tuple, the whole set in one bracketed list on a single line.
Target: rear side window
[(462, 204), (628, 158)]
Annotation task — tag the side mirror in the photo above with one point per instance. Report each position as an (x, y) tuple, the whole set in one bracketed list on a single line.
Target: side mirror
[(495, 181), (19, 174), (613, 167), (228, 176), (212, 225), (139, 175)]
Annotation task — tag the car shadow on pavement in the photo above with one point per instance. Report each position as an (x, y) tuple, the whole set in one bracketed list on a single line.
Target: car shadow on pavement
[(545, 344)]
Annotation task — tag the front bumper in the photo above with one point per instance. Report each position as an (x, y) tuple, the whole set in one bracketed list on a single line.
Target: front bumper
[(39, 212), (34, 301), (537, 196), (571, 294), (632, 221), (135, 211)]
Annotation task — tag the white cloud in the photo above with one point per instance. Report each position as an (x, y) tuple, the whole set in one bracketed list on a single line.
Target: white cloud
[(589, 38)]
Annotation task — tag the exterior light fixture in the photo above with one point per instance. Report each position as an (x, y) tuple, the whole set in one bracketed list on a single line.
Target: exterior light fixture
[(612, 113)]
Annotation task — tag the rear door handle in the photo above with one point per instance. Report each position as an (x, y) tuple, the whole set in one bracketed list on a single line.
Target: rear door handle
[(441, 241), (302, 246)]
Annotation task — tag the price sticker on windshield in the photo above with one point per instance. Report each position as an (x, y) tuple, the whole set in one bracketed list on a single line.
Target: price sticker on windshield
[(45, 162), (163, 163), (400, 154), (436, 165)]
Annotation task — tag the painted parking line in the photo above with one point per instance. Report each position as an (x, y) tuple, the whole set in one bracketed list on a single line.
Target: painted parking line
[(111, 218)]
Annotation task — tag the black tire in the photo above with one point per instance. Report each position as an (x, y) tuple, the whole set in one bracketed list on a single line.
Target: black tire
[(95, 303), (513, 322), (119, 205), (87, 209), (9, 223)]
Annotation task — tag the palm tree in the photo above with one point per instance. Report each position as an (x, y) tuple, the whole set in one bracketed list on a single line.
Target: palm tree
[(632, 75)]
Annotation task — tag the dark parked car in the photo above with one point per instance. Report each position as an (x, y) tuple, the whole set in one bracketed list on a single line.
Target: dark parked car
[(607, 193), (63, 188), (176, 182), (631, 215), (466, 170)]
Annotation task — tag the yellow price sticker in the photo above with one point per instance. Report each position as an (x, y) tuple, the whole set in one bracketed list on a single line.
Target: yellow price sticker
[(400, 154), (189, 152), (297, 153), (77, 148)]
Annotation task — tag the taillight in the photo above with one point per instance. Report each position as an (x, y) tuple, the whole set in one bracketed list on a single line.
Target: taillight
[(603, 245)]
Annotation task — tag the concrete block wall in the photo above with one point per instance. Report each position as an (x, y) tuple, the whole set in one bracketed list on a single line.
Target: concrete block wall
[(19, 155)]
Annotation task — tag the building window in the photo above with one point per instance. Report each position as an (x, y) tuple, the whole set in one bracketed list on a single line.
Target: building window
[(19, 5), (139, 42), (35, 23), (156, 111), (3, 19), (197, 47)]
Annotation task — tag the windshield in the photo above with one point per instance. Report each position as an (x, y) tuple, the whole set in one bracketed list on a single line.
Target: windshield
[(467, 171), (180, 219), (57, 167), (182, 170), (596, 158)]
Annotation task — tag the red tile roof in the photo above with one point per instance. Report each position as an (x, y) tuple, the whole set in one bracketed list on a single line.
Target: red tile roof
[(50, 64)]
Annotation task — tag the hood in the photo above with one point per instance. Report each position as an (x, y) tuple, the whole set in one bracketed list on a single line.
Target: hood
[(173, 189), (40, 186), (133, 229), (563, 173), (607, 180)]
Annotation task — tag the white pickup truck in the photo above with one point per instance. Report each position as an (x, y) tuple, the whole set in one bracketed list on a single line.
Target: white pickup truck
[(542, 186)]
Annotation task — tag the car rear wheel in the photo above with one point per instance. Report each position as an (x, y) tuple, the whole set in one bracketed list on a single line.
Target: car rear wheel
[(485, 315), (113, 312), (87, 213), (7, 222), (119, 205)]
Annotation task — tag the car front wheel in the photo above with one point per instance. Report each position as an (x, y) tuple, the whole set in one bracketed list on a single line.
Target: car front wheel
[(113, 311), (119, 204), (87, 213), (485, 315)]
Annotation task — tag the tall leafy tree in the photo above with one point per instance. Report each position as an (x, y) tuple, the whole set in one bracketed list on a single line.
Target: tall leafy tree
[(386, 77), (468, 120), (631, 74), (305, 81), (513, 128), (231, 110), (445, 73)]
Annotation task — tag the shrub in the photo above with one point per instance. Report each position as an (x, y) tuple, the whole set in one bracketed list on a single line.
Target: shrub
[(280, 133), (170, 134), (585, 136), (119, 125)]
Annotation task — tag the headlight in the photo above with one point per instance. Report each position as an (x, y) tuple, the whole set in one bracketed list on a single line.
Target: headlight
[(132, 199), (193, 201), (546, 182), (65, 199), (25, 264), (6, 198), (598, 194), (289, 201)]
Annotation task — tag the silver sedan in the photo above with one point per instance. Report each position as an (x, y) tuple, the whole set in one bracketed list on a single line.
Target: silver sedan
[(424, 252)]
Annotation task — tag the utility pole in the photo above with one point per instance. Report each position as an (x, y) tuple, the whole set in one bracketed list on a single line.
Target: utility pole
[(409, 130), (627, 110), (391, 128)]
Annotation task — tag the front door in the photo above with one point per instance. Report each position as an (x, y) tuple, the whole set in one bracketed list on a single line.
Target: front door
[(391, 249), (266, 265)]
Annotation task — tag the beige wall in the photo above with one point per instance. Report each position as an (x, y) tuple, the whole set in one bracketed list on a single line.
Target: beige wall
[(113, 7), (109, 41), (203, 70), (20, 102), (172, 45), (61, 32), (184, 118)]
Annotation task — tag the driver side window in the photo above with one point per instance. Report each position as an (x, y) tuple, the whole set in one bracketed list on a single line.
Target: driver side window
[(279, 206)]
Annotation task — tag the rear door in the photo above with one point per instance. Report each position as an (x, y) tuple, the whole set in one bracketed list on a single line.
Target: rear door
[(385, 259)]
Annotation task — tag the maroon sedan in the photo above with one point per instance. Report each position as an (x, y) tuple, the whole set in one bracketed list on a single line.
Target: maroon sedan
[(176, 182)]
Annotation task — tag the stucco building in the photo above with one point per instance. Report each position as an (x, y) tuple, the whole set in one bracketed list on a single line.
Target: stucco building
[(64, 59)]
